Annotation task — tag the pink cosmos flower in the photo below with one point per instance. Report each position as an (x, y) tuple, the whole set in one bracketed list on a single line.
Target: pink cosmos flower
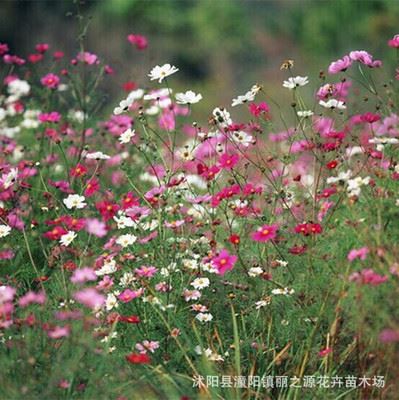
[(265, 233), (53, 116), (191, 294), (340, 65), (96, 227), (325, 206), (146, 271), (83, 275), (147, 346), (6, 254), (59, 332), (128, 295), (367, 277), (89, 297), (257, 109), (358, 253), (12, 59), (7, 294), (174, 224), (139, 41), (389, 336), (227, 161), (31, 298), (3, 48), (223, 262), (42, 47), (325, 352), (394, 42), (87, 58), (364, 58), (106, 283), (51, 81), (167, 120)]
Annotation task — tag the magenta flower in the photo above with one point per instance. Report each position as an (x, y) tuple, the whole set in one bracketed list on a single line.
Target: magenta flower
[(265, 233), (51, 81), (139, 41), (394, 42), (228, 161), (89, 297), (224, 262), (53, 116)]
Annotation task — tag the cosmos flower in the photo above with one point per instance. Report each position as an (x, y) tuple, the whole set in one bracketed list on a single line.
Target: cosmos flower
[(74, 201), (224, 262), (265, 233), (160, 73), (188, 97), (294, 82)]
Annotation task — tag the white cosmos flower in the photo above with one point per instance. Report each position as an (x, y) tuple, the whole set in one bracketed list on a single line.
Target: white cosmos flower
[(111, 302), (255, 271), (284, 291), (10, 178), (74, 201), (67, 239), (384, 140), (127, 136), (109, 267), (157, 94), (126, 240), (18, 88), (204, 317), (188, 98), (161, 73), (243, 138), (293, 83), (222, 117), (98, 155), (4, 230), (248, 96), (200, 283), (342, 177), (123, 221), (333, 103), (304, 114)]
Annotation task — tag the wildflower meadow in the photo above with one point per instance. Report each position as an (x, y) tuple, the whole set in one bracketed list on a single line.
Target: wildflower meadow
[(147, 253)]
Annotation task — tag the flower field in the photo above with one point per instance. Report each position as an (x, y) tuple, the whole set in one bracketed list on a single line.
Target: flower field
[(146, 254)]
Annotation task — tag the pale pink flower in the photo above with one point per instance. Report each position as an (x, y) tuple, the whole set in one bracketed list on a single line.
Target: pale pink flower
[(32, 297), (89, 297)]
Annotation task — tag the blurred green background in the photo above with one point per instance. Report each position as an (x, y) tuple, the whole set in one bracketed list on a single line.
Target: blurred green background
[(222, 47)]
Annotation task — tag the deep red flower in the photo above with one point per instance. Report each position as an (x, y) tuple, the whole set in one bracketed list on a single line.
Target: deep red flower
[(107, 209), (308, 229), (138, 358), (234, 239), (131, 319), (332, 164), (55, 233), (78, 171)]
